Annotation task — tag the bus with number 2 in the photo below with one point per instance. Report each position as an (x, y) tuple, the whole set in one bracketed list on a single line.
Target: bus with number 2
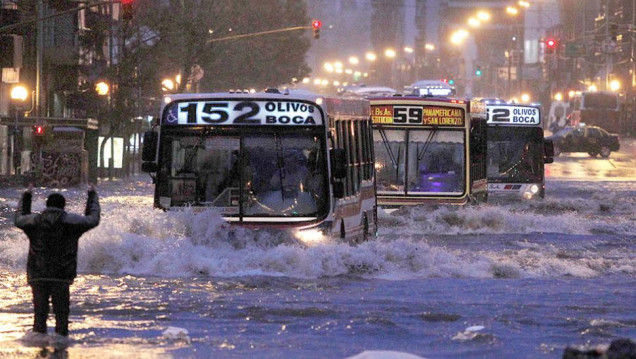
[(268, 160), (429, 150), (517, 151)]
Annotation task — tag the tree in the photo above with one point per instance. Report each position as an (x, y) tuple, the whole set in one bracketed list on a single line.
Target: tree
[(183, 29)]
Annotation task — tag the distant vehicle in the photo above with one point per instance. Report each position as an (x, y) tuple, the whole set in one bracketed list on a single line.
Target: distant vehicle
[(435, 88), (370, 91), (591, 139), (599, 108), (517, 151), (302, 163)]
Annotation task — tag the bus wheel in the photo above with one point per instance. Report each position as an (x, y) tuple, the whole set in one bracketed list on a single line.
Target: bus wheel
[(605, 151), (342, 230), (592, 153)]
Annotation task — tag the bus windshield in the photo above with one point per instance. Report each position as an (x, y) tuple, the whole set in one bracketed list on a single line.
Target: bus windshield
[(434, 164), (514, 154), (248, 174)]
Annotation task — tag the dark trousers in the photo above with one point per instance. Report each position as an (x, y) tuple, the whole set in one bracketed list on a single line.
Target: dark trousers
[(60, 293)]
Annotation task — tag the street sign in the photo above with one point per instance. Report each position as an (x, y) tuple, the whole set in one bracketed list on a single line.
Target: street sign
[(574, 49)]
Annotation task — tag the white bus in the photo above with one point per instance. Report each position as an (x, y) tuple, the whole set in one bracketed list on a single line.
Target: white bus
[(517, 151), (268, 160), (429, 150)]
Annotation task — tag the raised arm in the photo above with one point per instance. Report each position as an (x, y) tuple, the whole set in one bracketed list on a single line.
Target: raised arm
[(93, 210), (91, 216), (23, 217)]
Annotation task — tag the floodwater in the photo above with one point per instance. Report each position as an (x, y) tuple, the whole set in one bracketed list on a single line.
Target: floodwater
[(508, 279)]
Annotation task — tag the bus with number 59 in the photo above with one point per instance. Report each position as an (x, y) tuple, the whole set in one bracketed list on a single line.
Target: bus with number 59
[(267, 160), (429, 150)]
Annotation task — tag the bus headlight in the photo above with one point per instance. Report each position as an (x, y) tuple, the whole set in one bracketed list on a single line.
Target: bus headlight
[(311, 237), (534, 189)]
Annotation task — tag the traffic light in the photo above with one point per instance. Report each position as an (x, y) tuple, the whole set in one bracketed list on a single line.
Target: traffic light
[(478, 72), (39, 134), (316, 25), (127, 10), (550, 45), (38, 130)]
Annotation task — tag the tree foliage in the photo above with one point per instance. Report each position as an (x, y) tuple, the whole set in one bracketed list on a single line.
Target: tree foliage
[(177, 35)]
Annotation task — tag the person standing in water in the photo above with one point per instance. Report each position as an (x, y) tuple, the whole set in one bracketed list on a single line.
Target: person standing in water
[(52, 260)]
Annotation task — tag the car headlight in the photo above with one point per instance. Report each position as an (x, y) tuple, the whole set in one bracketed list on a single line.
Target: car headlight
[(534, 189)]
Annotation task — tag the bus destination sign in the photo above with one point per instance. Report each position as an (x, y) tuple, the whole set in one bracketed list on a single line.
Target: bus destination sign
[(242, 113), (417, 115), (515, 115)]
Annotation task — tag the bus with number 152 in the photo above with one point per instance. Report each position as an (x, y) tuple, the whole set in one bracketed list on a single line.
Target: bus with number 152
[(268, 160)]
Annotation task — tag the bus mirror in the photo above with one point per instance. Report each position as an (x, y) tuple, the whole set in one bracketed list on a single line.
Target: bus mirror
[(548, 151), (338, 189), (338, 163), (149, 150), (149, 167)]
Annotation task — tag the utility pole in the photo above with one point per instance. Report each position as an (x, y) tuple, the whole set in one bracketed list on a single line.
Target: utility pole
[(38, 57)]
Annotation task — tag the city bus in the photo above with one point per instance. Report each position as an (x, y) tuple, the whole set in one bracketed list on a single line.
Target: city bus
[(599, 108), (429, 150), (517, 151), (268, 160)]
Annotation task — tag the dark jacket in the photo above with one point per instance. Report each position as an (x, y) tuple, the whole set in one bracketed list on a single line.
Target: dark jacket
[(53, 237)]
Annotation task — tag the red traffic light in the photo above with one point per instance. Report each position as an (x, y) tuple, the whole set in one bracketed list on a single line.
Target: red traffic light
[(38, 130), (550, 45), (316, 25)]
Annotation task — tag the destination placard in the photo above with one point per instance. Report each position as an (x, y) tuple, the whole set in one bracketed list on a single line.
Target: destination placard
[(242, 113), (417, 115), (516, 115)]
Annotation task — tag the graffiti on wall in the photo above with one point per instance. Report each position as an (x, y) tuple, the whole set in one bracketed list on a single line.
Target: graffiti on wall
[(61, 169)]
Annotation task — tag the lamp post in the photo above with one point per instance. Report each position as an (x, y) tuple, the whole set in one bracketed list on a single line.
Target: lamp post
[(19, 95)]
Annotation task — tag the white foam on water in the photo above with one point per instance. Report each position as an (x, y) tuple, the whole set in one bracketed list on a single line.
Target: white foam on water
[(133, 238)]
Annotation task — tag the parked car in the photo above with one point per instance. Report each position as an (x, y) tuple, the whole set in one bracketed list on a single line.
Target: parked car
[(591, 139)]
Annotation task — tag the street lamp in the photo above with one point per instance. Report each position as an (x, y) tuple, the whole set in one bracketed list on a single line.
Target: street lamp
[(102, 88), (19, 94)]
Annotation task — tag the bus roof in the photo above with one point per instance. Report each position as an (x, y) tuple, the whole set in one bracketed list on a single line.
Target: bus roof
[(347, 106)]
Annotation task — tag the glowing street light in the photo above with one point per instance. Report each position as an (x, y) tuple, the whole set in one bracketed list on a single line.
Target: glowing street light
[(523, 3), (167, 85), (615, 85), (558, 96), (328, 66), (390, 53), (459, 36), (370, 56), (483, 15), (525, 98), (429, 47), (102, 88), (473, 22), (19, 93), (353, 60), (511, 10)]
